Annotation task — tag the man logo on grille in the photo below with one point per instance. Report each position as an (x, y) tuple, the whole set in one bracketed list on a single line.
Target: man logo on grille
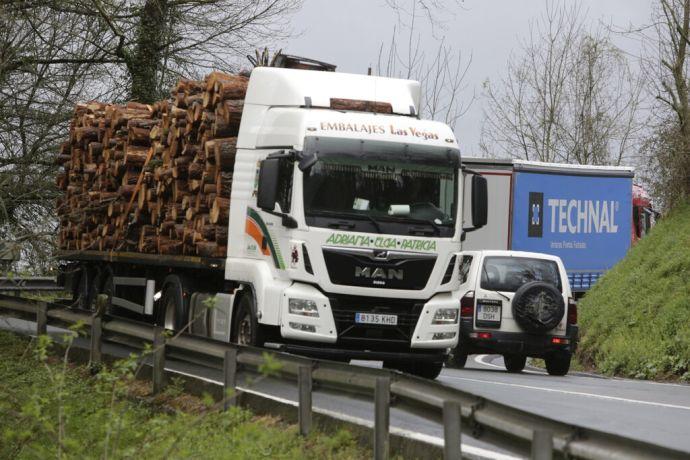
[(536, 215)]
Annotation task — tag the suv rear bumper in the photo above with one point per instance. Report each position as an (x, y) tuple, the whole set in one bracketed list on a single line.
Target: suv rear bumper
[(532, 345)]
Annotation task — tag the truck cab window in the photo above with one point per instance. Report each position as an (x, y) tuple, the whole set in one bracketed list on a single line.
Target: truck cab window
[(285, 186), (465, 268)]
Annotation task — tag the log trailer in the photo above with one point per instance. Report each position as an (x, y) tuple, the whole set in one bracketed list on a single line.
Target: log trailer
[(344, 230)]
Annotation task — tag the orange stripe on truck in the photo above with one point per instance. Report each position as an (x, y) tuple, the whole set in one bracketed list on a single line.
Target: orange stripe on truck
[(254, 231)]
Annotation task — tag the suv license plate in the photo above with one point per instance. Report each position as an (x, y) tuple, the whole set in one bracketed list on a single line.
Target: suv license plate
[(488, 312), (375, 318)]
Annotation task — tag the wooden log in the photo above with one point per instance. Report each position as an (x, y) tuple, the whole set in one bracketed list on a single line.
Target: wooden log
[(223, 184), (224, 152), (221, 234), (206, 248), (233, 88), (230, 111), (219, 211), (195, 171), (136, 155)]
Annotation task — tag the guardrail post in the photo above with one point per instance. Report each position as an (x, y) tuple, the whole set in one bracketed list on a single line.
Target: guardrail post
[(382, 400), (230, 378), (305, 386), (41, 318), (97, 330), (158, 359), (542, 445), (452, 436)]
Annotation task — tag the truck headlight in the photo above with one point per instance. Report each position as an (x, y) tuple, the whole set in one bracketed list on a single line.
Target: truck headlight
[(303, 307), (445, 316)]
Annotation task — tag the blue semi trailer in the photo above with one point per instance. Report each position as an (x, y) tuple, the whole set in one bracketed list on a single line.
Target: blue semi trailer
[(583, 214)]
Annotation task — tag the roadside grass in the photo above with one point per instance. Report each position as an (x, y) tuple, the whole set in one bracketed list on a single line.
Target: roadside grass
[(635, 322), (50, 408)]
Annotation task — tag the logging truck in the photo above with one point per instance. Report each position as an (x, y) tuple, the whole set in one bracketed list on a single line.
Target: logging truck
[(341, 237)]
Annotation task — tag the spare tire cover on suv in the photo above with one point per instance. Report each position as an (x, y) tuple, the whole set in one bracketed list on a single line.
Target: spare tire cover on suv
[(538, 306)]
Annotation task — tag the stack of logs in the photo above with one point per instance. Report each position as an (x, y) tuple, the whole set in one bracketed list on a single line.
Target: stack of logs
[(153, 178)]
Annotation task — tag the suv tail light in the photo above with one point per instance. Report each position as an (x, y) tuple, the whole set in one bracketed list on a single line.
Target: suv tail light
[(467, 305), (572, 311)]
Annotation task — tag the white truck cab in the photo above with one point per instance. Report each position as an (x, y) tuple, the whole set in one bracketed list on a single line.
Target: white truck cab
[(518, 304), (345, 225)]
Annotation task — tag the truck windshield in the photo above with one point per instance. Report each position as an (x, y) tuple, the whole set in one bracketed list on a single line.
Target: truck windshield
[(507, 274), (370, 195)]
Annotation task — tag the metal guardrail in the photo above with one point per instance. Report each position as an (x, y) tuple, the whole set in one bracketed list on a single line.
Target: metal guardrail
[(460, 412), (31, 283)]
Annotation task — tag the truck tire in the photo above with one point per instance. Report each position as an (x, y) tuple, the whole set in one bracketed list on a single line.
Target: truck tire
[(246, 329), (558, 363), (456, 359), (538, 307), (514, 363), (424, 369), (172, 311)]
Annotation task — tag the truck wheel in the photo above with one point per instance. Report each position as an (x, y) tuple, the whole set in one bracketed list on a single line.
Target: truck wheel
[(558, 363), (456, 359), (245, 327), (514, 363), (538, 307), (425, 369), (172, 310)]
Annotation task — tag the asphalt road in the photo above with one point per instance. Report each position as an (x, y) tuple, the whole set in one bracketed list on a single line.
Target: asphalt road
[(654, 412)]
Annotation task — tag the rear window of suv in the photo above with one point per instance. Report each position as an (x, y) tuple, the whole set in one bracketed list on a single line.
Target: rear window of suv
[(509, 273)]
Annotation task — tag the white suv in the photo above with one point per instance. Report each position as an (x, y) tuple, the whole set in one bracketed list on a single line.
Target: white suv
[(519, 305)]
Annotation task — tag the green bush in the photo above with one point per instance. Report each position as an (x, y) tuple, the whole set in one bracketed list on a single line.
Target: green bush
[(635, 321), (51, 409)]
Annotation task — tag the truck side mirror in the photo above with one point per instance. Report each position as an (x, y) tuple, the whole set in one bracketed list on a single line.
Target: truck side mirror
[(480, 201), (267, 194)]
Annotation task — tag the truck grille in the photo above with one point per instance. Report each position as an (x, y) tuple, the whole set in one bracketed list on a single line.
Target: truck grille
[(380, 336), (380, 269)]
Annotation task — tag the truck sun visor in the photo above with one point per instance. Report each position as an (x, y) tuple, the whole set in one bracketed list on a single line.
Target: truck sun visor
[(380, 150)]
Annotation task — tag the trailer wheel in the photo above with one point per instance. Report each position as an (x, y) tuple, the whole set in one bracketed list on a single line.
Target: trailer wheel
[(246, 330)]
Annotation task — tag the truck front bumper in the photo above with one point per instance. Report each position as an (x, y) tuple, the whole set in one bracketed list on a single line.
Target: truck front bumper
[(336, 323), (497, 342)]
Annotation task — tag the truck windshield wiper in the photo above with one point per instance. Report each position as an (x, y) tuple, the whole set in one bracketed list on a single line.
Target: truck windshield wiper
[(348, 214), (411, 220)]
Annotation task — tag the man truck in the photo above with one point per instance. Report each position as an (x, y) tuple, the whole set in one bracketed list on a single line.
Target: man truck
[(343, 234)]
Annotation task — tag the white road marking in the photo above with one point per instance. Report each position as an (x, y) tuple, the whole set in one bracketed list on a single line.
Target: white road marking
[(472, 450), (481, 359), (575, 393)]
